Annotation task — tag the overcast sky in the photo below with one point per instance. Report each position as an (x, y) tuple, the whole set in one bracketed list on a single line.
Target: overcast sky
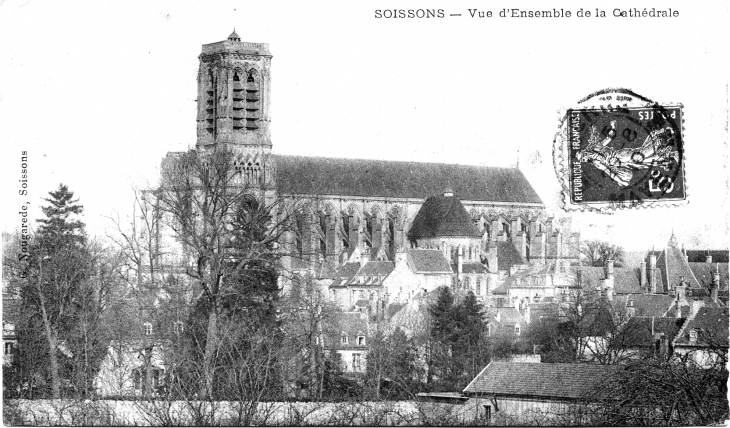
[(98, 92)]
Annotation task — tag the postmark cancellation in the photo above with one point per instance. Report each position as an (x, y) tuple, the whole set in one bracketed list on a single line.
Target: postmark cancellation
[(621, 156)]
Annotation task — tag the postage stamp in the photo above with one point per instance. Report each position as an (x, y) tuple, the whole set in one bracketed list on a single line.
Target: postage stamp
[(623, 151)]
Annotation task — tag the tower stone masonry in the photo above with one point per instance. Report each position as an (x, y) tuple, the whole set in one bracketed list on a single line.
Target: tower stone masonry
[(350, 206)]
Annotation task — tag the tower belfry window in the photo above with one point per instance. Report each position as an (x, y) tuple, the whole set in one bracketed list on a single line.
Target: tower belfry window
[(210, 103), (239, 95), (252, 101)]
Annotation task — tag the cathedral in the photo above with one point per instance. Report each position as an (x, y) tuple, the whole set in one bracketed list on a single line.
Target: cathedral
[(359, 211)]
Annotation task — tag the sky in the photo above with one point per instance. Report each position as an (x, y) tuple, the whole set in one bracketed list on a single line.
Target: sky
[(98, 92)]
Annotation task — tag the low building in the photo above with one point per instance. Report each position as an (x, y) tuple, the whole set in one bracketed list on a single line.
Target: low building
[(533, 393), (349, 339), (417, 271), (704, 336)]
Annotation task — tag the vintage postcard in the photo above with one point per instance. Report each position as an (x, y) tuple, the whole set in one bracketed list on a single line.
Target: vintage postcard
[(321, 213)]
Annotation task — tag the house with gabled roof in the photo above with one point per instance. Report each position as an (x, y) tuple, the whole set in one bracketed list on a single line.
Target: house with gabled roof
[(704, 336), (650, 336), (532, 393), (348, 337)]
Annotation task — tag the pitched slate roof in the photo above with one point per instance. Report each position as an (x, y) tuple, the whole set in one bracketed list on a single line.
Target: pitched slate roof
[(508, 318), (648, 305), (413, 318), (376, 268), (539, 380), (507, 255), (365, 177), (352, 324), (640, 331), (345, 273), (471, 267), (442, 216), (544, 310), (713, 322), (700, 256), (704, 272), (372, 273), (674, 267), (533, 276), (428, 261), (628, 281)]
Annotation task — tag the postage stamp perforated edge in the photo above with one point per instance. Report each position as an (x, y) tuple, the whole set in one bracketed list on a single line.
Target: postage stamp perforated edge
[(561, 152)]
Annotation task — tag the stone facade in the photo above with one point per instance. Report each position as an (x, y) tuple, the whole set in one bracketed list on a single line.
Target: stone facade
[(348, 207)]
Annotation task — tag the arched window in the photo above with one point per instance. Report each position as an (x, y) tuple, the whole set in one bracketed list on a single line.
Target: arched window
[(466, 283), (479, 286)]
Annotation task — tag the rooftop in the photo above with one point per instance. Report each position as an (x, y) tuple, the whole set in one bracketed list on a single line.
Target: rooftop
[(442, 216), (301, 175), (539, 380), (710, 323), (428, 261)]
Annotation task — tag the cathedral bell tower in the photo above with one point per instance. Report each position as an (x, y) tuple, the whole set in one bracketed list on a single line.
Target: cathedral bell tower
[(234, 83)]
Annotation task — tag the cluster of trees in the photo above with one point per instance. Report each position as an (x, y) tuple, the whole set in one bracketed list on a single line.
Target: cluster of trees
[(597, 253), (224, 330)]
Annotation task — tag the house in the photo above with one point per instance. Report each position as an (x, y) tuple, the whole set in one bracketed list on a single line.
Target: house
[(417, 271), (704, 336), (533, 393), (348, 337), (505, 322), (649, 336), (131, 368)]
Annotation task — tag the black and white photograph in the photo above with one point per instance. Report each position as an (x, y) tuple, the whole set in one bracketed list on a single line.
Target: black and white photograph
[(390, 213)]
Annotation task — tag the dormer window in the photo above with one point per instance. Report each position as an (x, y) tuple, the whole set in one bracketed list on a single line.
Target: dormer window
[(360, 340), (693, 336), (518, 329), (178, 327), (343, 339), (147, 329)]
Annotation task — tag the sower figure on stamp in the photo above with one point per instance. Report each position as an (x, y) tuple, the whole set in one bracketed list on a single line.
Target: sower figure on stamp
[(618, 164)]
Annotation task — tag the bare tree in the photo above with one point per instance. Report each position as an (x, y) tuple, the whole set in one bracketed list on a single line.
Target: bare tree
[(309, 326), (201, 195), (598, 253), (658, 391)]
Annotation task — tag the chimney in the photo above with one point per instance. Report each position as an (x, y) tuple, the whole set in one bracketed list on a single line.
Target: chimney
[(365, 256), (460, 260), (708, 258), (630, 310), (681, 292), (715, 284), (642, 278), (608, 286), (652, 274), (663, 346), (609, 268)]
